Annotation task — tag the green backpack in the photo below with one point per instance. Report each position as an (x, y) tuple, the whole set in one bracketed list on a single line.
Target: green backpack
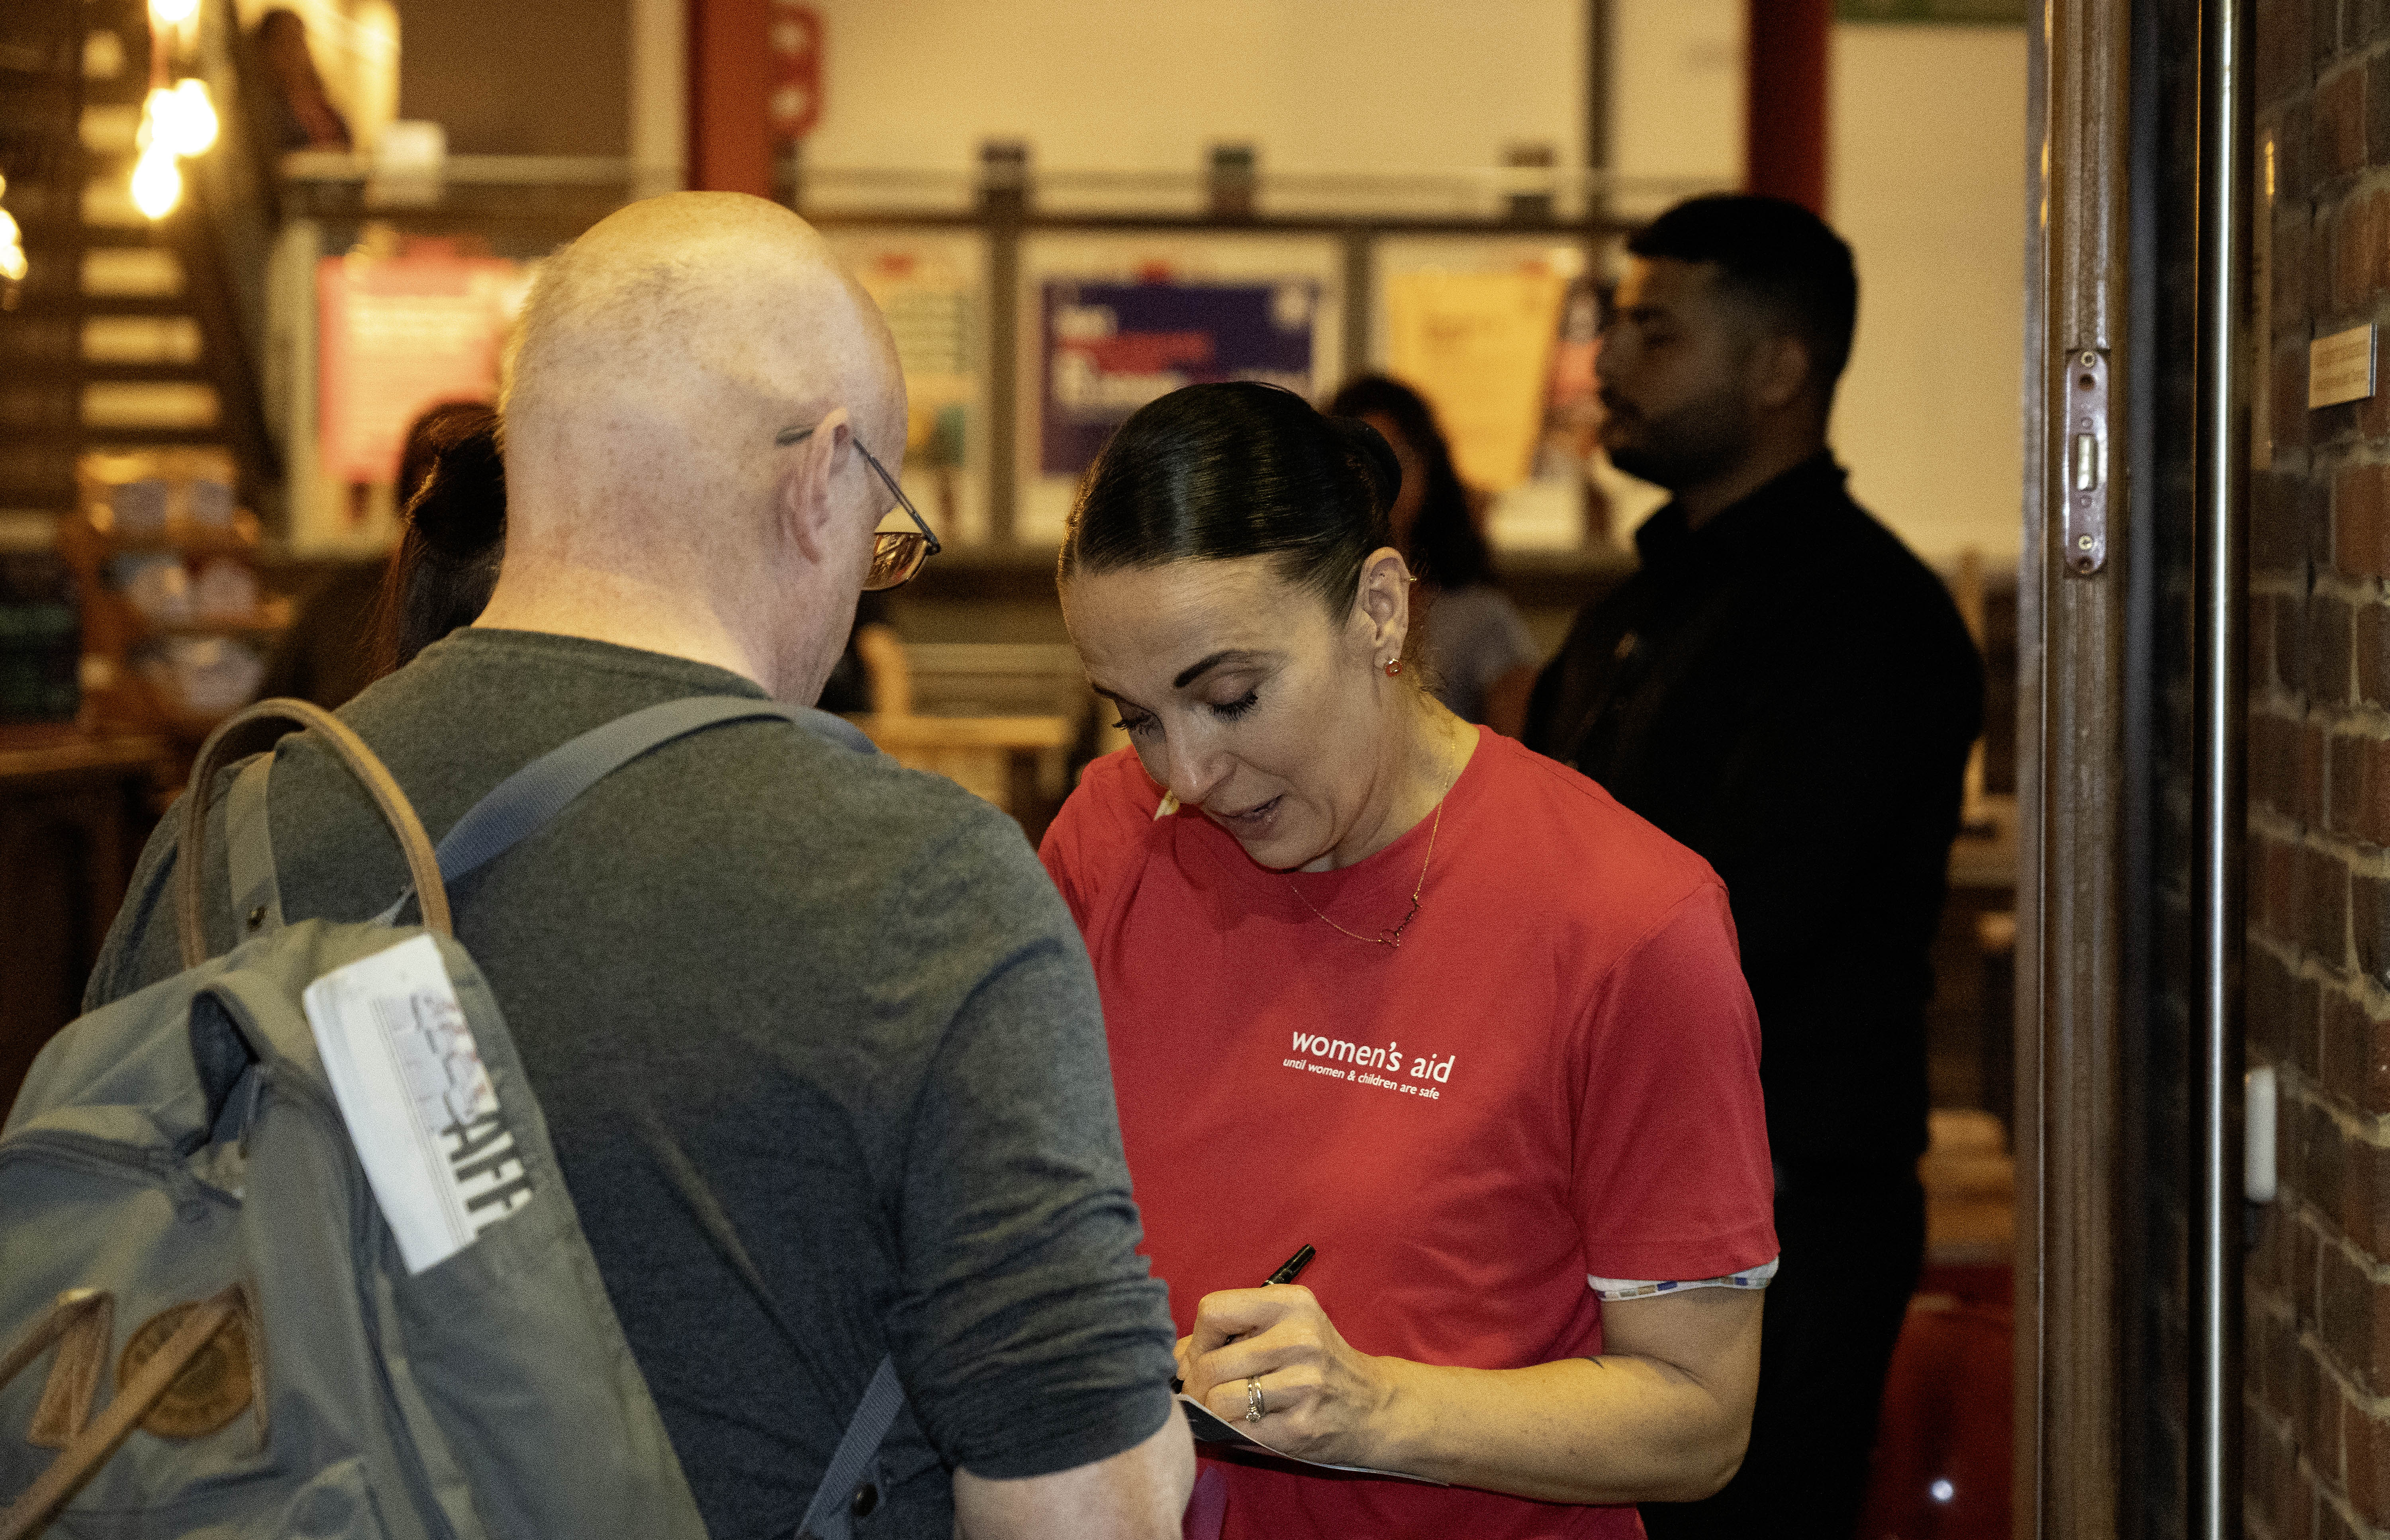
[(294, 1215)]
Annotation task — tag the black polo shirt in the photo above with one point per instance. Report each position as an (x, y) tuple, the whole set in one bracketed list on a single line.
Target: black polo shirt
[(1790, 692)]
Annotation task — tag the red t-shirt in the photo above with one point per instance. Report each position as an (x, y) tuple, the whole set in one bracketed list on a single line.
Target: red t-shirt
[(1556, 1076)]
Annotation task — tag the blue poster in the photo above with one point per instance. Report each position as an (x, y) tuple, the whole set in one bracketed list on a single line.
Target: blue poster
[(1111, 347)]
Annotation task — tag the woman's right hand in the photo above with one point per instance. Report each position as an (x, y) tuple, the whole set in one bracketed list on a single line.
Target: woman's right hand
[(1322, 1399)]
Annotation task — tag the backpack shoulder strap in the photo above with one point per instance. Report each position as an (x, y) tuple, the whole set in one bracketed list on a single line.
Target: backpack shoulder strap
[(256, 890), (190, 897), (517, 807), (538, 791), (827, 1516)]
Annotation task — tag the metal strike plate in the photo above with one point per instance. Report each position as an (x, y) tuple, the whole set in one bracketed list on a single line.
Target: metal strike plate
[(2085, 470)]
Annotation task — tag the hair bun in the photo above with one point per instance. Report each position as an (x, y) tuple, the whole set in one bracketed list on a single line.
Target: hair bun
[(460, 509), (1373, 456)]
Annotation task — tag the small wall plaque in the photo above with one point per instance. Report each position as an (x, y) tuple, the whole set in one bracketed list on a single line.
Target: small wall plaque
[(2340, 367)]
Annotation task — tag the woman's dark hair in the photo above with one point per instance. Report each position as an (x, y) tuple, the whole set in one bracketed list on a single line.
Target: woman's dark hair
[(453, 486), (1238, 468), (1445, 547)]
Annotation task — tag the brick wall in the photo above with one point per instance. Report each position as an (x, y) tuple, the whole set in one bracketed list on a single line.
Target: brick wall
[(2318, 1388)]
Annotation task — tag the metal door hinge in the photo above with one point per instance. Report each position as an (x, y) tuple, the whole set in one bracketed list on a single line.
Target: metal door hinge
[(2086, 469)]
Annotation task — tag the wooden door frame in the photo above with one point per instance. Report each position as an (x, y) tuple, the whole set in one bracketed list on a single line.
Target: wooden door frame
[(2071, 1137)]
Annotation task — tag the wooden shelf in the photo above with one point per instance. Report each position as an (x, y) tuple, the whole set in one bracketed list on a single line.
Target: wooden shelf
[(271, 620), (114, 628)]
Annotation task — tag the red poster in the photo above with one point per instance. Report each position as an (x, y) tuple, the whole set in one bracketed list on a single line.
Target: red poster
[(397, 334)]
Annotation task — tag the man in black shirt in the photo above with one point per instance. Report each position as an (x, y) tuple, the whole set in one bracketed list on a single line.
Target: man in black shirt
[(1786, 689)]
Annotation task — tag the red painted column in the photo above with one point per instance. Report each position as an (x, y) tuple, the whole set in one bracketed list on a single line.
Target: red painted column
[(730, 90), (1784, 126)]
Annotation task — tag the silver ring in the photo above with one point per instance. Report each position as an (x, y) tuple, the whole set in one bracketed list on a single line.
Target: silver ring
[(1254, 1409)]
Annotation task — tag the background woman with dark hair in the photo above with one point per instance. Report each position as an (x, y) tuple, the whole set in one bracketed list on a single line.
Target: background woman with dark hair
[(1386, 984), (452, 484), (1480, 656), (357, 623)]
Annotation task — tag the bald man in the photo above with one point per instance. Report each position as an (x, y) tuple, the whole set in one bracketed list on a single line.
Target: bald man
[(817, 1043)]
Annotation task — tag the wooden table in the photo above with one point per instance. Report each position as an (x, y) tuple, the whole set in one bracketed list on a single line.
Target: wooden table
[(1015, 762), (75, 808)]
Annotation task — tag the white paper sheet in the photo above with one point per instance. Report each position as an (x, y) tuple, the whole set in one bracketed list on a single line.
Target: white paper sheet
[(418, 1103)]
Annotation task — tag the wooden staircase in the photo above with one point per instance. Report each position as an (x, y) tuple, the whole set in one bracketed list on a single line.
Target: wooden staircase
[(127, 338)]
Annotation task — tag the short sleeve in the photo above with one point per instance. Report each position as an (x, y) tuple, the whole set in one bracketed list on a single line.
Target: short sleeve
[(1105, 817), (1672, 1176), (1022, 1286)]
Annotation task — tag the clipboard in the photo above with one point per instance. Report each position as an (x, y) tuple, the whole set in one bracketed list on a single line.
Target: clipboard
[(1209, 1428)]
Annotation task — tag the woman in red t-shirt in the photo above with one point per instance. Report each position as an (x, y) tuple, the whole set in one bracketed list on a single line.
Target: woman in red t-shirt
[(1385, 984)]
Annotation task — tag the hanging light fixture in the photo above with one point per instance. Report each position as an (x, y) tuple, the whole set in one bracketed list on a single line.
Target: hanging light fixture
[(157, 181), (199, 113), (184, 119), (12, 246), (179, 121)]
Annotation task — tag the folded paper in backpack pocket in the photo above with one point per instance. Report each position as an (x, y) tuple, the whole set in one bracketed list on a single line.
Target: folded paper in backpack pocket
[(417, 1100)]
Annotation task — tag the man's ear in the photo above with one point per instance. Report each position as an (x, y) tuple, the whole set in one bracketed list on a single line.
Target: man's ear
[(801, 497), (1381, 608), (1779, 369)]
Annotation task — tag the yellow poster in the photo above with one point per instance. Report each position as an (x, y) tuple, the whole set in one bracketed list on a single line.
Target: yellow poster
[(1478, 345)]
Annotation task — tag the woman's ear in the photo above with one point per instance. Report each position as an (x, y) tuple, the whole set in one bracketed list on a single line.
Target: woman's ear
[(1384, 603), (801, 499)]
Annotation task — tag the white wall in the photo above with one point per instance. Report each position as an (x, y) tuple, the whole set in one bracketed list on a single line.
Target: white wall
[(1150, 84), (1928, 185), (1926, 175), (1676, 92)]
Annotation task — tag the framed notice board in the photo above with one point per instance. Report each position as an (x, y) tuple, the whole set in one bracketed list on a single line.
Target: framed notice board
[(1110, 322), (932, 285)]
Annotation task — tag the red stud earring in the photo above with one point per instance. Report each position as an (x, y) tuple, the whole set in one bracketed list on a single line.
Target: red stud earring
[(1393, 667)]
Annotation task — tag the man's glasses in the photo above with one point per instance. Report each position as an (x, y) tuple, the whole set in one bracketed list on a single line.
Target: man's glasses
[(897, 555)]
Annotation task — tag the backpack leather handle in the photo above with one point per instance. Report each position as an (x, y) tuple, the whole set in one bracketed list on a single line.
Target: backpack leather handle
[(31, 1513), (422, 867)]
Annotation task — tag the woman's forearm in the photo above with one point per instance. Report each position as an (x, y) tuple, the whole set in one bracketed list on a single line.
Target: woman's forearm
[(1662, 1417), (1613, 1430)]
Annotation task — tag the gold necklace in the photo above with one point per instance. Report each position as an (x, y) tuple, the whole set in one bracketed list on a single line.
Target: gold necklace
[(1393, 937)]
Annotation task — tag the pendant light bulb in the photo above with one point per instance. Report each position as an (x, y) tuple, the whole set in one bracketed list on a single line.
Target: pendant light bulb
[(12, 244), (173, 13), (158, 112), (189, 127), (156, 183)]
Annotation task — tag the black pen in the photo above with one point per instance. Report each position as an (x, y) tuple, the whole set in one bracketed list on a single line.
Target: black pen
[(1293, 1267), (1288, 1271)]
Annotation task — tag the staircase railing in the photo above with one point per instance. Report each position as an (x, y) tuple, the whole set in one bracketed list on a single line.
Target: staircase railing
[(224, 232)]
